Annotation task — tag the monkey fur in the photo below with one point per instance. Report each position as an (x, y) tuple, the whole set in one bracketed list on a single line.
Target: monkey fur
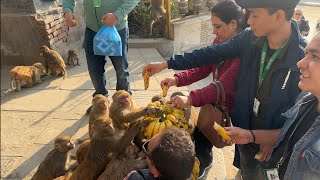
[(55, 163), (73, 57), (53, 61), (26, 75)]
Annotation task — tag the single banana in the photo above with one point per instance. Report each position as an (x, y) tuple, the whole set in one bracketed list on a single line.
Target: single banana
[(146, 80), (168, 123), (165, 91), (157, 104), (221, 131), (150, 129), (162, 126), (156, 128), (172, 119)]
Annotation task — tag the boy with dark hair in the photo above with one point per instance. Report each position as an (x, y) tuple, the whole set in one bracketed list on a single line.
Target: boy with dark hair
[(170, 156)]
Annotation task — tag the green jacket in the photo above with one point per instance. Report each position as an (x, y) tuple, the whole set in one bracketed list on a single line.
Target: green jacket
[(121, 8)]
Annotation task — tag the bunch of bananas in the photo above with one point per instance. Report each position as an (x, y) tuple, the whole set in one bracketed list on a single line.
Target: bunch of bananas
[(196, 169), (166, 117)]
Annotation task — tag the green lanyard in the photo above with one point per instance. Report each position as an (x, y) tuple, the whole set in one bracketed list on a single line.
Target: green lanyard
[(265, 69)]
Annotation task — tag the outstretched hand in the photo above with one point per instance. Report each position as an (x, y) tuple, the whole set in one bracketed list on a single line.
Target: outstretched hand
[(179, 102), (239, 135), (154, 68), (171, 81)]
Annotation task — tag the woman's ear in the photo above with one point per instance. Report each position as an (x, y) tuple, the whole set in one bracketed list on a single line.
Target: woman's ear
[(234, 24)]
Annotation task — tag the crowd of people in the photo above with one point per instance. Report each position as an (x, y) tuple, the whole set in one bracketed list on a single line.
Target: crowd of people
[(270, 74)]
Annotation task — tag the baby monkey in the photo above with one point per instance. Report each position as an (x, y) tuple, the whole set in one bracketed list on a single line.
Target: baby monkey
[(26, 75), (73, 57), (55, 163)]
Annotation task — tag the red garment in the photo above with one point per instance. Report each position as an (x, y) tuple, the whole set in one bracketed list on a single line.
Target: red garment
[(227, 75)]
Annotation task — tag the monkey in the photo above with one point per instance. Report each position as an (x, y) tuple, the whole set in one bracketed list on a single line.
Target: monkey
[(100, 107), (82, 151), (159, 98), (124, 110), (123, 164), (104, 145), (55, 163), (53, 61), (26, 75), (156, 12), (73, 56)]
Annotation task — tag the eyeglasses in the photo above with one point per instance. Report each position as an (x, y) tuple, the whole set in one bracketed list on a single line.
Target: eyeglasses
[(145, 147), (298, 14)]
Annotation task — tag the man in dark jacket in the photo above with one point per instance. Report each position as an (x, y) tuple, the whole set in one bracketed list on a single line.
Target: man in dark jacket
[(303, 24), (268, 77)]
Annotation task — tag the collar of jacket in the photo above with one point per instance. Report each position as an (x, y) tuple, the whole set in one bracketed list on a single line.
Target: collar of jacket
[(296, 45)]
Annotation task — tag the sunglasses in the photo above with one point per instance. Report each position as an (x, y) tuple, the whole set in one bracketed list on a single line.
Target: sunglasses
[(145, 147)]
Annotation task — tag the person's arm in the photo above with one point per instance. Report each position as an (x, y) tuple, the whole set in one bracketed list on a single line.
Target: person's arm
[(68, 6), (190, 76), (211, 54), (125, 9), (208, 94), (244, 136)]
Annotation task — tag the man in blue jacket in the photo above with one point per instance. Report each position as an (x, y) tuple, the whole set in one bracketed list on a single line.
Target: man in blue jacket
[(97, 14), (268, 78)]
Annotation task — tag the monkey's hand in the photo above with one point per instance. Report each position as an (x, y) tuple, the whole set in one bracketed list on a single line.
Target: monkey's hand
[(144, 123), (150, 110)]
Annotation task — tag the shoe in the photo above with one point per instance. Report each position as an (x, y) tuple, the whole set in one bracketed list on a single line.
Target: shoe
[(205, 163), (88, 110)]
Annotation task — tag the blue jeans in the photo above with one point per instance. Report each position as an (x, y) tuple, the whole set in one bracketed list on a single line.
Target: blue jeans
[(96, 64)]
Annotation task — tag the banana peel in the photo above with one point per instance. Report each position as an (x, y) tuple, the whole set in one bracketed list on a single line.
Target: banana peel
[(221, 131), (165, 91), (146, 80)]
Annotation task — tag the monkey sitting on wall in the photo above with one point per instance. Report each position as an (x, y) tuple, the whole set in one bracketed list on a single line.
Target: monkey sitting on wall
[(53, 61), (73, 57), (55, 163), (103, 147), (26, 75), (156, 12)]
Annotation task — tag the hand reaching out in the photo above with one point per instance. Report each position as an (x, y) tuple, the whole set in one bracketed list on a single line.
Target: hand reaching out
[(239, 135)]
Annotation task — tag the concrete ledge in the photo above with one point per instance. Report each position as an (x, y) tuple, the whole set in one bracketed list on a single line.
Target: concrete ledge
[(164, 46), (309, 3)]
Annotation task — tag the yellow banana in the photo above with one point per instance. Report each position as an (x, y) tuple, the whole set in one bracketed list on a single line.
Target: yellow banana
[(156, 128), (196, 169), (150, 129), (162, 126), (146, 80), (165, 91), (151, 104), (258, 155), (173, 119), (221, 131), (157, 103), (168, 123)]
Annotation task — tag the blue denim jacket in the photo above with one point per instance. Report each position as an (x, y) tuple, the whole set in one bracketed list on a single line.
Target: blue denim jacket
[(304, 163)]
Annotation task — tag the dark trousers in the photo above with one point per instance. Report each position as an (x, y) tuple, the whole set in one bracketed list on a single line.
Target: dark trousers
[(251, 169), (203, 146), (96, 64)]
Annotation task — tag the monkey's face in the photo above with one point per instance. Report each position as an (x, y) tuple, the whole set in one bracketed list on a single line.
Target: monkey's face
[(125, 101), (40, 67), (110, 129), (103, 124), (43, 50), (63, 144), (101, 102)]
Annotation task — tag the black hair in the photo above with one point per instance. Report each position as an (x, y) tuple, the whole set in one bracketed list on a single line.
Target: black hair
[(174, 156), (227, 11), (288, 12)]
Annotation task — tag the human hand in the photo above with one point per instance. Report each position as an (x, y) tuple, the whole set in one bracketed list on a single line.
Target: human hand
[(179, 102), (70, 20), (303, 33), (239, 135), (109, 19), (171, 81), (154, 68), (265, 153)]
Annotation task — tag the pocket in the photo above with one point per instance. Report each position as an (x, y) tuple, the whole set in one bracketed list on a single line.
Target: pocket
[(312, 159)]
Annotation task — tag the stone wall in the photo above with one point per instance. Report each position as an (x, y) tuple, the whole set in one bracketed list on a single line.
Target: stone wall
[(17, 5), (23, 32)]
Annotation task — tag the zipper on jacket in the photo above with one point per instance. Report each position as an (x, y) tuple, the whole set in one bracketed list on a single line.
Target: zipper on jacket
[(286, 80)]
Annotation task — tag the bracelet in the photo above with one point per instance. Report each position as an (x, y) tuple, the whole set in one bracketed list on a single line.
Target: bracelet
[(254, 137)]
